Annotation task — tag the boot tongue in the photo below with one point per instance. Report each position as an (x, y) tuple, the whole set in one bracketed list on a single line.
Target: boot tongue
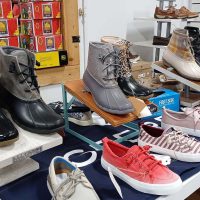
[(21, 57)]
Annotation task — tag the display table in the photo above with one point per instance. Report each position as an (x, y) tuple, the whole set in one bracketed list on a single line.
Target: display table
[(76, 89), (187, 99), (15, 159)]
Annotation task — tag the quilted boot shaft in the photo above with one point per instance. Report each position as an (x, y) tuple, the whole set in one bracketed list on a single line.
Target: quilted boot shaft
[(100, 79)]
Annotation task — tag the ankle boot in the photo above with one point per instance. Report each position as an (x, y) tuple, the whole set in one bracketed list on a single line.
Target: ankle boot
[(9, 133), (179, 55), (195, 35), (99, 79), (125, 80), (19, 92)]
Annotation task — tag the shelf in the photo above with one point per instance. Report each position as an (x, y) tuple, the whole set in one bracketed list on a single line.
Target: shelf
[(76, 88), (194, 19), (149, 44), (160, 20), (29, 144)]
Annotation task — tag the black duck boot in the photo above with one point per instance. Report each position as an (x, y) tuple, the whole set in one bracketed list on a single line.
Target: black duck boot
[(20, 94)]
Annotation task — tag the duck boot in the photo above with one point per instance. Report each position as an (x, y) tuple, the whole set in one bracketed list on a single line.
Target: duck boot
[(9, 133), (179, 55), (20, 93), (125, 80), (99, 79)]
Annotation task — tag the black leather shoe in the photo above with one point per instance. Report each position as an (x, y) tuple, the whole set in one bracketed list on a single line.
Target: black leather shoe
[(19, 93), (9, 133), (131, 87)]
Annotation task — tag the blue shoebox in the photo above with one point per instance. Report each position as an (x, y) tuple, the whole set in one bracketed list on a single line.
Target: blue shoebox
[(164, 98)]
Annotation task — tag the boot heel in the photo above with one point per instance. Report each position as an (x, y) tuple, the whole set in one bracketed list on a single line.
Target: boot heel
[(166, 63)]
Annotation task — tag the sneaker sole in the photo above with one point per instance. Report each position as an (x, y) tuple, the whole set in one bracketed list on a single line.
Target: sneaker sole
[(157, 189), (189, 131), (8, 142), (81, 123), (185, 157)]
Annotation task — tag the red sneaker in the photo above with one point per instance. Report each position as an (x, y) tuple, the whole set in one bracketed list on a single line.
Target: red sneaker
[(139, 169)]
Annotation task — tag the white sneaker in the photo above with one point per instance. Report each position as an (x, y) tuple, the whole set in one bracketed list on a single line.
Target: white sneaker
[(67, 182)]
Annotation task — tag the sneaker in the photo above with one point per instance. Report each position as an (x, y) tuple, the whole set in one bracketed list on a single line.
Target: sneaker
[(171, 142), (184, 11), (67, 182), (187, 121), (139, 169)]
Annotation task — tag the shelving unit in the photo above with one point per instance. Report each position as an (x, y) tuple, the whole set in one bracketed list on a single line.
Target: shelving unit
[(149, 44), (15, 161)]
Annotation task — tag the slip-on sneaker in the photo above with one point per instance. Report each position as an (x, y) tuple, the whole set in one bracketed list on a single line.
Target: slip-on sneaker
[(139, 169), (171, 142)]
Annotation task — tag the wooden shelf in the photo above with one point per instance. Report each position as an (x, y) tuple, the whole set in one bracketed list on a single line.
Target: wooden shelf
[(76, 88)]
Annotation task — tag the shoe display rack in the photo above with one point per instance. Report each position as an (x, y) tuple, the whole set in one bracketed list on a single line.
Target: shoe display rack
[(160, 23), (15, 161), (76, 89), (187, 98)]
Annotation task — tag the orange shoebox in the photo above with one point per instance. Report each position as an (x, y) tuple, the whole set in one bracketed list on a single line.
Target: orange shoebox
[(40, 10), (10, 41), (40, 27), (6, 9), (9, 27), (48, 43)]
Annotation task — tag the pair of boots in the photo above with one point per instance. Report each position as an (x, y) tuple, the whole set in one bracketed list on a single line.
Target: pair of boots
[(108, 62), (180, 55), (19, 94)]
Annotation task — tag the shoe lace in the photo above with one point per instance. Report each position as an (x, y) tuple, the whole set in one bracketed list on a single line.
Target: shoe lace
[(181, 139), (124, 55), (195, 112), (28, 76), (111, 67), (68, 187)]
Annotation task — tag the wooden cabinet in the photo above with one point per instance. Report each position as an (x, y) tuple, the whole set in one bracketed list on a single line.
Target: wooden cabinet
[(69, 29)]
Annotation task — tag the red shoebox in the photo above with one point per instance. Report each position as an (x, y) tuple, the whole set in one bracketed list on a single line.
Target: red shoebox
[(26, 1), (40, 10), (40, 27), (6, 9), (48, 43), (9, 27), (10, 41)]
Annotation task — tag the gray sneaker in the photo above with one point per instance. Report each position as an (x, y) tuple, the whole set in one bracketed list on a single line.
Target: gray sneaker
[(100, 79), (187, 121)]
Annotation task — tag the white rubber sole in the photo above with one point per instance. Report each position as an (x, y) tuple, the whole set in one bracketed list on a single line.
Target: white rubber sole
[(157, 189), (189, 131), (49, 188), (81, 122), (185, 157)]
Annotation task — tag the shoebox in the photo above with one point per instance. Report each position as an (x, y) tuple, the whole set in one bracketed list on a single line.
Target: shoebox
[(40, 10), (142, 72), (10, 41), (40, 27), (9, 27), (6, 9), (27, 42), (51, 59), (26, 1), (48, 43), (163, 98)]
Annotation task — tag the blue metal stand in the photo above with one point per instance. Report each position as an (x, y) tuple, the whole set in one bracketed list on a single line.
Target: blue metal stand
[(131, 126)]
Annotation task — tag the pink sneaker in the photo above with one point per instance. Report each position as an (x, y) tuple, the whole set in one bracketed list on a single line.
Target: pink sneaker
[(187, 121), (138, 169), (170, 142)]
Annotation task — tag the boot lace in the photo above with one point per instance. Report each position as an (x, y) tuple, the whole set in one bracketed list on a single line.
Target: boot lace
[(183, 140), (111, 67), (68, 187), (28, 76)]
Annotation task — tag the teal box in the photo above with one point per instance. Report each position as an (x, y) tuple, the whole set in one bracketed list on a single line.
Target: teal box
[(164, 98)]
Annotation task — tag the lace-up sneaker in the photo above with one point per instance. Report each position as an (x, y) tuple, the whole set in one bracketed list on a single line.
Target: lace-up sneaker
[(138, 169), (170, 141), (187, 121), (67, 182)]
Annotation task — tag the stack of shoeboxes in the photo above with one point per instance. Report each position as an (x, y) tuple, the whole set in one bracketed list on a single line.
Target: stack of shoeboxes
[(9, 32)]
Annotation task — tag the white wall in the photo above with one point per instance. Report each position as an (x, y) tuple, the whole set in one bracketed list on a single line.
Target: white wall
[(115, 17)]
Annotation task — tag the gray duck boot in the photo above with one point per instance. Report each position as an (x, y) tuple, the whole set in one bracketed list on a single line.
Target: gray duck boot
[(20, 94), (99, 79)]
